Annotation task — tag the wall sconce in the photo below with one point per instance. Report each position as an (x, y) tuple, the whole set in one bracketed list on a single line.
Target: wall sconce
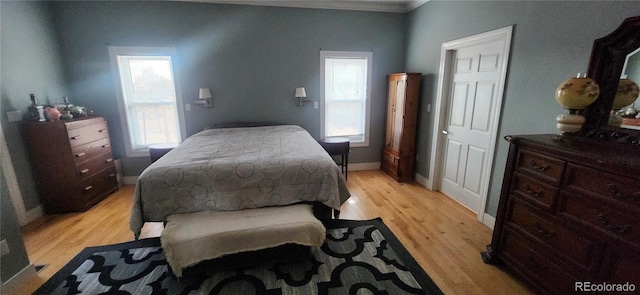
[(205, 98), (301, 96)]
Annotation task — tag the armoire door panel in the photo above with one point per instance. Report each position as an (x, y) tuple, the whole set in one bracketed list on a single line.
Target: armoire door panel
[(398, 114), (391, 108)]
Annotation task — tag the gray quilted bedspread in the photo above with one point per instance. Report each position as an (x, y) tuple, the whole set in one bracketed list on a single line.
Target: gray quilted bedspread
[(238, 168)]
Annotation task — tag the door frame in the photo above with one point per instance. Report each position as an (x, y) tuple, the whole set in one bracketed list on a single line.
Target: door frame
[(12, 182), (441, 108)]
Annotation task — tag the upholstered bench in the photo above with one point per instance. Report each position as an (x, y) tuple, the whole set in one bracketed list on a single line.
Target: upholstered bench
[(189, 239)]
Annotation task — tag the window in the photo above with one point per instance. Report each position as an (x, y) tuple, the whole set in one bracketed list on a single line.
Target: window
[(345, 95), (148, 97)]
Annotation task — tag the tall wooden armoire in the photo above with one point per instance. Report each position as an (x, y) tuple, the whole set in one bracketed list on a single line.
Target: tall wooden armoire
[(402, 114)]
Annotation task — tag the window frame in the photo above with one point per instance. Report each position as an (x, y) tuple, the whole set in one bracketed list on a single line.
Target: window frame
[(114, 52), (368, 56)]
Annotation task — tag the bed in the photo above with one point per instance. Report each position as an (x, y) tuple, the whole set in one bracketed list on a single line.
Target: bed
[(238, 168)]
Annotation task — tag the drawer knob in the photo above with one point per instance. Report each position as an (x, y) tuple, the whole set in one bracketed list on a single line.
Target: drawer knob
[(102, 130), (619, 229), (109, 160), (112, 175), (530, 191), (88, 188), (615, 191), (75, 137), (84, 171), (80, 154), (105, 145), (543, 231), (536, 167)]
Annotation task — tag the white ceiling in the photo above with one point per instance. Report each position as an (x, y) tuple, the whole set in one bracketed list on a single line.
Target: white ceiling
[(365, 5)]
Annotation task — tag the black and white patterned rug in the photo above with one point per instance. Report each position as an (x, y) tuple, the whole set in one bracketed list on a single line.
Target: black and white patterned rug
[(358, 257)]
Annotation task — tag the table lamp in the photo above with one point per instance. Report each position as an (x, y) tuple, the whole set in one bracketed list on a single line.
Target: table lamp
[(575, 94)]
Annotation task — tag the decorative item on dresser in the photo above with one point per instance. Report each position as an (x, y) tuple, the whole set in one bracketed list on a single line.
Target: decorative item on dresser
[(575, 94), (72, 161), (402, 116), (569, 212)]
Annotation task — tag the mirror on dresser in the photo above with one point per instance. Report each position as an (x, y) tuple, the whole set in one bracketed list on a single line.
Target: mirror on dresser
[(613, 56), (631, 72)]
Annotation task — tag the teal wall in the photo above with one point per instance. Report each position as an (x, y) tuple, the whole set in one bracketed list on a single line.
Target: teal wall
[(29, 63), (254, 57), (251, 57), (551, 42)]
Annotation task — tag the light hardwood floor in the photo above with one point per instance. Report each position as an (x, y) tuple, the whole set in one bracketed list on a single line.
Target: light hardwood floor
[(442, 235)]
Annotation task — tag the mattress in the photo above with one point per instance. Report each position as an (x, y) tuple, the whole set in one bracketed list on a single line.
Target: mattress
[(238, 168)]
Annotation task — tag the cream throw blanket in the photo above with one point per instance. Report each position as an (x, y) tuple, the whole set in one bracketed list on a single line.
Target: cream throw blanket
[(195, 237)]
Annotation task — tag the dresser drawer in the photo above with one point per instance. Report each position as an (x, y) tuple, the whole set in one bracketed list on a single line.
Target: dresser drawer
[(537, 192), (97, 185), (94, 165), (583, 209), (90, 150), (541, 226), (538, 267), (390, 161), (541, 166), (569, 212), (621, 265), (615, 188), (83, 135)]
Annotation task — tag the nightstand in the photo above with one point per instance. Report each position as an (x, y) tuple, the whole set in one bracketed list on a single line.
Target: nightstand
[(338, 146), (158, 150)]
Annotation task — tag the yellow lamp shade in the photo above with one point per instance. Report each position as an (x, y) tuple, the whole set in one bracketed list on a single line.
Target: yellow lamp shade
[(577, 93), (626, 94)]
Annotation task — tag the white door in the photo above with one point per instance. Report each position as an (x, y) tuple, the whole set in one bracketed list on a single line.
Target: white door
[(473, 100)]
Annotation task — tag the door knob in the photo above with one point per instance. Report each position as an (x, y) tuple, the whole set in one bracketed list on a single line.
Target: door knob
[(445, 132)]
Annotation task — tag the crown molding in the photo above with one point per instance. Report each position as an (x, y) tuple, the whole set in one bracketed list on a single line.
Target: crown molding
[(413, 4), (397, 6)]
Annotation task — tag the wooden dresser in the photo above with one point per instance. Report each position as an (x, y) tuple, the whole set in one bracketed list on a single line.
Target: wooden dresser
[(569, 212), (402, 117), (72, 162)]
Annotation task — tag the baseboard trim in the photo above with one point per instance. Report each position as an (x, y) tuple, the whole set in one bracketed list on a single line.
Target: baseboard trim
[(421, 180), (364, 166), (22, 277), (35, 213), (488, 220)]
